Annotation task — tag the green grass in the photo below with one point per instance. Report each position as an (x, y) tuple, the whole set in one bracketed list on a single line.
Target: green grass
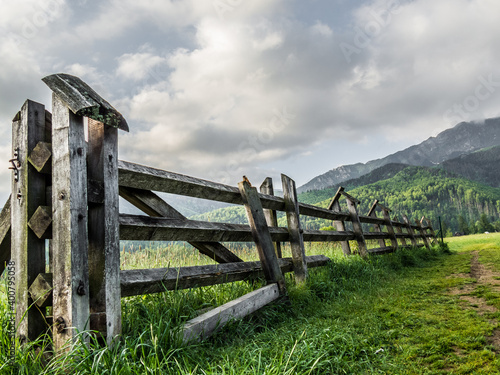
[(391, 314), (489, 242)]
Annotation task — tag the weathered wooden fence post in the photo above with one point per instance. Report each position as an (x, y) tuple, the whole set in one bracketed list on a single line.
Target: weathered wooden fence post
[(378, 229), (103, 227), (69, 228), (339, 224), (271, 218), (28, 187), (410, 230), (400, 231), (352, 204), (430, 229), (389, 227), (261, 235), (85, 203), (423, 234), (294, 229)]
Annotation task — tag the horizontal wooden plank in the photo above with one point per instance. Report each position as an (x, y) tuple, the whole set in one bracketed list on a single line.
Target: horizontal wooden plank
[(398, 224), (206, 324), (371, 220), (147, 178), (326, 236), (322, 213), (145, 228), (153, 205), (376, 235), (142, 177), (155, 280)]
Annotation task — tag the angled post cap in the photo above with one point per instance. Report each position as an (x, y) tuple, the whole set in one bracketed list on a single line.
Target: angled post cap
[(82, 100)]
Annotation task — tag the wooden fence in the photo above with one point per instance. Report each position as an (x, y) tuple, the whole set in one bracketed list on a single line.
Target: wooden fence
[(66, 186)]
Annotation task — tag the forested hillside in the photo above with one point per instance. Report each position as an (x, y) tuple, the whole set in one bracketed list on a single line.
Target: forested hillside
[(463, 205), (482, 166)]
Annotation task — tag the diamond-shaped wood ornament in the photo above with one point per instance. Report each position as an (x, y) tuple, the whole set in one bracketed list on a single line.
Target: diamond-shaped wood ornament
[(41, 290), (40, 157), (41, 221)]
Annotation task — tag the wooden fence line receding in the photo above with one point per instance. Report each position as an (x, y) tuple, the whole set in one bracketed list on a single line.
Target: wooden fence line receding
[(65, 190)]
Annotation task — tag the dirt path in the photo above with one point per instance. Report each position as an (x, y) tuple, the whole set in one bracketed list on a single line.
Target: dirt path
[(482, 276)]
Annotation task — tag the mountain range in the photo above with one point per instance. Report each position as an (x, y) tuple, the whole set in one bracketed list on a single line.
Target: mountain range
[(454, 175), (463, 139)]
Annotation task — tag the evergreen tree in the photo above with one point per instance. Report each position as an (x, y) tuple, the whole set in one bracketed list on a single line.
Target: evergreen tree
[(463, 226), (483, 224)]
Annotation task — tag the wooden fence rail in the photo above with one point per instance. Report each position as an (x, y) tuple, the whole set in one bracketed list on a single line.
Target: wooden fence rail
[(65, 190)]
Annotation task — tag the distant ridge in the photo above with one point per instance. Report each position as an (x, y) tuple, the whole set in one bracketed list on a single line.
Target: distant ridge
[(464, 138), (482, 166)]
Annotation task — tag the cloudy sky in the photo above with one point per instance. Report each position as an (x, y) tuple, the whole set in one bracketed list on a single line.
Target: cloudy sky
[(222, 88)]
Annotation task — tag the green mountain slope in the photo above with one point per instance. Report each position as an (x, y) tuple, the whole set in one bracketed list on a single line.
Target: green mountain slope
[(415, 191), (383, 173), (464, 138)]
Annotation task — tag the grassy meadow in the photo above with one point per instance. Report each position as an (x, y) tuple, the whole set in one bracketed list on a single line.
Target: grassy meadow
[(412, 312)]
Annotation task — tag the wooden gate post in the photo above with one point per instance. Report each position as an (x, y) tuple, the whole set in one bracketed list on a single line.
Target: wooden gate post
[(271, 218), (28, 187), (103, 227), (69, 228), (82, 207), (294, 229), (339, 224)]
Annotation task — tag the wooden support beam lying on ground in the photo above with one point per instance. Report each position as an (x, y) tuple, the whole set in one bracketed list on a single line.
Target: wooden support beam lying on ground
[(206, 324), (154, 206)]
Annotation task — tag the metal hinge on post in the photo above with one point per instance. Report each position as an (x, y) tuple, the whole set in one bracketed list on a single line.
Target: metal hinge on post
[(16, 164)]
